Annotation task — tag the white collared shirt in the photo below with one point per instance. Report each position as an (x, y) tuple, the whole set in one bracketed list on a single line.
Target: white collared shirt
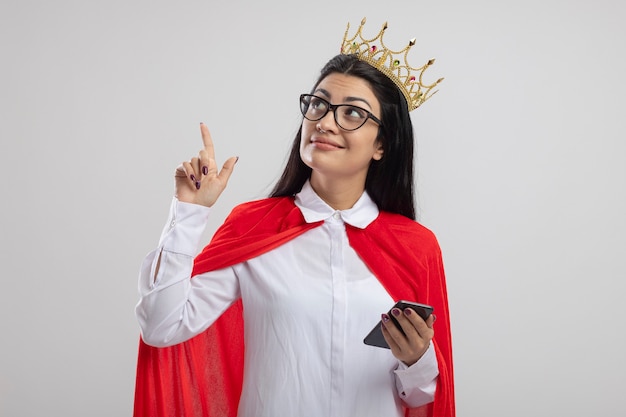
[(308, 304)]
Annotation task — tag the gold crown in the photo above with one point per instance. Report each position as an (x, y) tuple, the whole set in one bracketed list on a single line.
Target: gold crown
[(407, 78)]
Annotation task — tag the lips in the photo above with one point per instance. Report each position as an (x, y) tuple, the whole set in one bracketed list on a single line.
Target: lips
[(327, 144)]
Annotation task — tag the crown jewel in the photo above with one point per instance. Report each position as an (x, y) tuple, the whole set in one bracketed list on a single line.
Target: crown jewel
[(392, 63)]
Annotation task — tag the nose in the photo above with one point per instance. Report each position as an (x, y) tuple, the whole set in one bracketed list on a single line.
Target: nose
[(328, 122)]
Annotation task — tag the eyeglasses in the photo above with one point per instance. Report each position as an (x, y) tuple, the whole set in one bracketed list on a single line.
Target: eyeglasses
[(347, 116)]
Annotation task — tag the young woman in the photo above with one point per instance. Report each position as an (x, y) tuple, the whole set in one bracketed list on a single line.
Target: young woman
[(300, 278)]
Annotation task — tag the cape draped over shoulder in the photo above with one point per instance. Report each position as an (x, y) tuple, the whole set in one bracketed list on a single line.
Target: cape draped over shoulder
[(203, 376)]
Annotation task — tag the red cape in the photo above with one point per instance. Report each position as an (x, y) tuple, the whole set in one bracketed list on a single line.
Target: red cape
[(203, 376)]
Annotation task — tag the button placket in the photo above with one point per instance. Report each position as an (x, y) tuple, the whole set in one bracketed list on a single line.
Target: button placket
[(337, 229)]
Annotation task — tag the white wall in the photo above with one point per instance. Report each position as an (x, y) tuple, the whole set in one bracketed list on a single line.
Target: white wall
[(521, 175)]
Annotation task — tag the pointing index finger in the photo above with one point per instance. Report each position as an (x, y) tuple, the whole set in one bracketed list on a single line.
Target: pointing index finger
[(206, 139)]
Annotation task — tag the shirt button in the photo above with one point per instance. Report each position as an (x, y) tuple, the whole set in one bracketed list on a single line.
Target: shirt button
[(172, 223), (336, 215)]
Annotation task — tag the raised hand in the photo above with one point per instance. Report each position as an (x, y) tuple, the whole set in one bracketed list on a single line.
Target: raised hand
[(197, 180)]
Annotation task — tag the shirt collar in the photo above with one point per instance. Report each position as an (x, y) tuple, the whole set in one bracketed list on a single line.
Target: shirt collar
[(314, 209)]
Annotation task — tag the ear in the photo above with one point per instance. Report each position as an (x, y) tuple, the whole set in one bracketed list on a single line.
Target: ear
[(378, 153)]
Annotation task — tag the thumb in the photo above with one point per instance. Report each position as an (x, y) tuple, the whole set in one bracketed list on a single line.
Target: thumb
[(227, 168)]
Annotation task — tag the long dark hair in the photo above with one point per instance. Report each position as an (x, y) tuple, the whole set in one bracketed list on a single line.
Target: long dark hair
[(389, 181)]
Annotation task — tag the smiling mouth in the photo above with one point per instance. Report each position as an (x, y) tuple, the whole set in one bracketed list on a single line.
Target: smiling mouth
[(323, 144)]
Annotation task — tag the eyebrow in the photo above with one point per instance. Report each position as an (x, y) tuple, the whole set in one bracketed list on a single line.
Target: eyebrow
[(348, 99)]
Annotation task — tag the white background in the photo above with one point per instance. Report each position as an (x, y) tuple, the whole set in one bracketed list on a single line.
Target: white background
[(520, 160)]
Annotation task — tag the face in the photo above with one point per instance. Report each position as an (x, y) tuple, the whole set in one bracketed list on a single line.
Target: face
[(331, 152)]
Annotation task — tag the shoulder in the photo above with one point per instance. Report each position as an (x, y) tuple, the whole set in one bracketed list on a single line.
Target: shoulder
[(409, 231), (395, 221), (272, 214), (260, 208)]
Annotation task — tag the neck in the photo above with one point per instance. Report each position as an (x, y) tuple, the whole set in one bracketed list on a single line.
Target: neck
[(337, 193)]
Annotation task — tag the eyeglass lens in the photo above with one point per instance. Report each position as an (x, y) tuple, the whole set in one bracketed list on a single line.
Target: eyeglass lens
[(347, 117)]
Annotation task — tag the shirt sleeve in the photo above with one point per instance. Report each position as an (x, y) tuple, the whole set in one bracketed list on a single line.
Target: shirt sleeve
[(173, 307), (416, 384)]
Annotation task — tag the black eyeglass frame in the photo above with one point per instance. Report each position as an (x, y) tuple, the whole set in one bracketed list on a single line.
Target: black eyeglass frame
[(333, 107)]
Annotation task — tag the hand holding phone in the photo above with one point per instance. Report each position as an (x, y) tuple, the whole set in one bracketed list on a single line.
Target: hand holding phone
[(375, 336)]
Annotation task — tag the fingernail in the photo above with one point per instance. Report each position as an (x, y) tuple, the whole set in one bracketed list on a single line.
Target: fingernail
[(384, 317), (205, 170), (407, 311), (197, 185), (237, 160), (395, 312), (193, 178)]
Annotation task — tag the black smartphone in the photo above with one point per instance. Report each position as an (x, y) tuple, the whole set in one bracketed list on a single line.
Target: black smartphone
[(375, 337)]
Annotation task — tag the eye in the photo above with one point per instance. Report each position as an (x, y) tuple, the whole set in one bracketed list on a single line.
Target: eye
[(352, 112), (317, 105)]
